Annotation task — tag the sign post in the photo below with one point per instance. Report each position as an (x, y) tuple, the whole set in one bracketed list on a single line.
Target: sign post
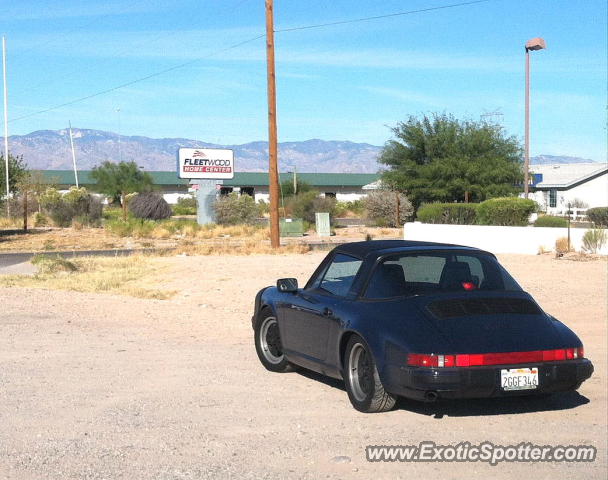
[(207, 167)]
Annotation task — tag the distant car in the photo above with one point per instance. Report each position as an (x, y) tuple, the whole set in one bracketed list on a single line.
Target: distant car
[(418, 320)]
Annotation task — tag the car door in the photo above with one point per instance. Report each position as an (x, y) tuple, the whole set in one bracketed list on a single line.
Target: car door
[(309, 320)]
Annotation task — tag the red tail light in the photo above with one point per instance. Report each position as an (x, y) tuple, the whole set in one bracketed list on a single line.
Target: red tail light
[(481, 359)]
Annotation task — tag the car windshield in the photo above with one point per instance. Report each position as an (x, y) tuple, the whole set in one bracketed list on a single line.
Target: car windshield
[(435, 272)]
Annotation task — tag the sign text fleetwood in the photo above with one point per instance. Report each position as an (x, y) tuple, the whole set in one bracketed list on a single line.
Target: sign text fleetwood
[(211, 163)]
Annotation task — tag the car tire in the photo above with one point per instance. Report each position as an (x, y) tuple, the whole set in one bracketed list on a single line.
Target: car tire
[(268, 343), (363, 385)]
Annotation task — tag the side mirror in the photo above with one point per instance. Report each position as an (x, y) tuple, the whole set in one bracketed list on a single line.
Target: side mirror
[(287, 285)]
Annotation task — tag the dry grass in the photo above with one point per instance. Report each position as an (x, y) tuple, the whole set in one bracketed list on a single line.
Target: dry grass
[(234, 231), (250, 246), (134, 276), (42, 240)]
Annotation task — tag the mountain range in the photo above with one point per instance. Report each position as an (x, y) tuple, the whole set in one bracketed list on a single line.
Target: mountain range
[(50, 150)]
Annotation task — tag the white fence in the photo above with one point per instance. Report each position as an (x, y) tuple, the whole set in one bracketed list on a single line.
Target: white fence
[(496, 239)]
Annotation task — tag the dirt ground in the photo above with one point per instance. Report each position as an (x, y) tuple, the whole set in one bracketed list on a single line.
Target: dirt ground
[(99, 386)]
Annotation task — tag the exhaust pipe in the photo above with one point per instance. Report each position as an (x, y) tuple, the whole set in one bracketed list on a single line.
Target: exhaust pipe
[(431, 396)]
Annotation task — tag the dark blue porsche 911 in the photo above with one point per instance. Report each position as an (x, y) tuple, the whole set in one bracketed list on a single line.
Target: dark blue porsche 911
[(419, 320)]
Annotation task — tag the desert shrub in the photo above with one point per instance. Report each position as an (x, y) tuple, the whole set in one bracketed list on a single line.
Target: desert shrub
[(132, 227), (119, 227), (302, 187), (305, 206), (185, 206), (355, 207), (17, 205), (551, 221), (448, 213), (112, 213), (599, 216), (594, 239), (77, 202), (40, 220), (381, 206), (561, 245), (52, 264), (149, 206), (264, 207), (234, 209), (511, 211)]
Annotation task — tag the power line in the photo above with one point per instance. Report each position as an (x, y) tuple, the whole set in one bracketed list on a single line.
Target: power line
[(123, 50), (137, 80), (378, 17), (236, 45)]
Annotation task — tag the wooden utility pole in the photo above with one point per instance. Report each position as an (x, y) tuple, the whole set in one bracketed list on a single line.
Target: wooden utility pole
[(273, 171)]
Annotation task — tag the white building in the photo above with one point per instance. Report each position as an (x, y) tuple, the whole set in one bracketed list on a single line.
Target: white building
[(344, 187), (559, 185)]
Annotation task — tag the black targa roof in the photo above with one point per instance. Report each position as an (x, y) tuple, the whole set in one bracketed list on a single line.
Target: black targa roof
[(377, 247)]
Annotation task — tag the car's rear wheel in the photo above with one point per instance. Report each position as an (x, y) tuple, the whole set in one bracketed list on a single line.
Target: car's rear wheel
[(268, 343), (365, 390)]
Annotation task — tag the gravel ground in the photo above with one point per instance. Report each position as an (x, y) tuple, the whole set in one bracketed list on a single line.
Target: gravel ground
[(99, 386)]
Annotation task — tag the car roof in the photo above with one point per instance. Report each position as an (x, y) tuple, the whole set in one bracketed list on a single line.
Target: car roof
[(378, 248)]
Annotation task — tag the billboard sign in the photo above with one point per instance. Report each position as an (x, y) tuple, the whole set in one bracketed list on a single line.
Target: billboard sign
[(205, 163)]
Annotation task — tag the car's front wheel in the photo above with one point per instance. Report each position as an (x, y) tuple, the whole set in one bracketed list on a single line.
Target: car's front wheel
[(365, 390), (268, 343)]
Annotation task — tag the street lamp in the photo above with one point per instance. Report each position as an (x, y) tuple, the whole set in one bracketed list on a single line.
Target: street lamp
[(533, 44)]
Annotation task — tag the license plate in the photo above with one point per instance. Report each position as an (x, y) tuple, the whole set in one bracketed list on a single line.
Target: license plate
[(519, 378)]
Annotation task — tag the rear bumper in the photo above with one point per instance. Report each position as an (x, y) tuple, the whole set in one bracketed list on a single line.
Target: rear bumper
[(481, 382)]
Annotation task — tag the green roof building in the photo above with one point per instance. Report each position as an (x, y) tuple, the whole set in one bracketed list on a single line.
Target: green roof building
[(343, 186)]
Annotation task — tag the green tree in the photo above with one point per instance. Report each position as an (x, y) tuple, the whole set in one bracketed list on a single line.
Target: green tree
[(287, 189), (439, 158), (117, 180), (17, 172)]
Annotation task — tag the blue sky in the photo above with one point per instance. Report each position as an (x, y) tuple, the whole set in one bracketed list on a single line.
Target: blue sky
[(345, 82)]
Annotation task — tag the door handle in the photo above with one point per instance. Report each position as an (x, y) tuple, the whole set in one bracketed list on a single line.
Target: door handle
[(327, 312)]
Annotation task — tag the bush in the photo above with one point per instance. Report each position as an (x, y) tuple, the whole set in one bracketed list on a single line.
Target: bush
[(77, 202), (52, 264), (112, 213), (594, 240), (234, 209), (356, 208), (561, 245), (119, 227), (448, 213), (599, 216), (40, 220), (305, 206), (185, 206), (551, 221), (381, 206), (149, 206), (132, 227), (17, 206), (302, 187), (510, 211)]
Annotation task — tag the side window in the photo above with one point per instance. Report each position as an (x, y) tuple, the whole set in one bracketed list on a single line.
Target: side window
[(340, 275)]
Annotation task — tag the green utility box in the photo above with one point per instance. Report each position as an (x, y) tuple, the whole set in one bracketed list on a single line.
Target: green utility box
[(291, 227)]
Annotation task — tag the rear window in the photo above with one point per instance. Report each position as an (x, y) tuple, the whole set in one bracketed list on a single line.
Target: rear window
[(435, 272)]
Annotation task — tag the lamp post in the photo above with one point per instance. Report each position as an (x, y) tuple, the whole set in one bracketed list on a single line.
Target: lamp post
[(536, 43)]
